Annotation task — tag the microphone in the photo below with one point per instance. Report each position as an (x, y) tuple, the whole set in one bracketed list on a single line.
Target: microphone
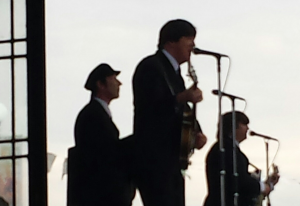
[(263, 136), (216, 92), (200, 51)]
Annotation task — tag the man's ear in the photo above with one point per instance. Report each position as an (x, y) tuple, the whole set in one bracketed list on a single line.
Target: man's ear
[(100, 86)]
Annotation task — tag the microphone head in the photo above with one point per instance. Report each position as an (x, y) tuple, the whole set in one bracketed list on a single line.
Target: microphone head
[(252, 133), (196, 50), (215, 91)]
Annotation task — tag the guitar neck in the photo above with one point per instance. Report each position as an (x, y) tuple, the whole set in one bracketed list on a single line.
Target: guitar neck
[(196, 126), (194, 104)]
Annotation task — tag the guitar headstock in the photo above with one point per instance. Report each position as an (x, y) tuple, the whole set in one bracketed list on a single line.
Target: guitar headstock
[(275, 169), (275, 175), (192, 72)]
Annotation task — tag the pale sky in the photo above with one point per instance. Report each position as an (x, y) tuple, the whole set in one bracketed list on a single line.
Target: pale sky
[(262, 39)]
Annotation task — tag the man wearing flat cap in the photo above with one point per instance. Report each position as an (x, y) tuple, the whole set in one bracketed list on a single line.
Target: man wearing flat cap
[(95, 176)]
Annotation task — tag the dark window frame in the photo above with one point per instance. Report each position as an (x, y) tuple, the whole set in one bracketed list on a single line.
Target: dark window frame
[(36, 94)]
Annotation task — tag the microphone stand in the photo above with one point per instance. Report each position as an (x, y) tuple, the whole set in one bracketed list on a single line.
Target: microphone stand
[(221, 140), (235, 172), (266, 139), (267, 168), (234, 156)]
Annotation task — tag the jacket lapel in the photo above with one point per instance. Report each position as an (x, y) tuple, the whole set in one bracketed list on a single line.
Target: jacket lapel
[(103, 114), (175, 79)]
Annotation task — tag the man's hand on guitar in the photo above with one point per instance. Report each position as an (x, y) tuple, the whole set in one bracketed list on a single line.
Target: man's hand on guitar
[(200, 140), (267, 190), (272, 181), (274, 178), (192, 94)]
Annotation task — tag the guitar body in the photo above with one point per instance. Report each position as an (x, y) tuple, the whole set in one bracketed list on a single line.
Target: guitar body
[(188, 137)]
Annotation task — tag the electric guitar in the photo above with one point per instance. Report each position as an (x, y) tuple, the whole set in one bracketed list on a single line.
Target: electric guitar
[(190, 127), (259, 200)]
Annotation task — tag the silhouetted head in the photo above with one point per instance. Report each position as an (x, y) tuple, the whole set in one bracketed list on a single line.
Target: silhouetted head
[(99, 74), (240, 119), (103, 82), (173, 30)]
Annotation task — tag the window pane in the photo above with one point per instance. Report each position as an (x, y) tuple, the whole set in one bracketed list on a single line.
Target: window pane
[(5, 49), (6, 180), (5, 100), (19, 19), (21, 148), (19, 48), (22, 182), (5, 150), (20, 81), (5, 20)]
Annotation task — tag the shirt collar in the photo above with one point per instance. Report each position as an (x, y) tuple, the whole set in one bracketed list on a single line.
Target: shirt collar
[(171, 59), (237, 143), (104, 105)]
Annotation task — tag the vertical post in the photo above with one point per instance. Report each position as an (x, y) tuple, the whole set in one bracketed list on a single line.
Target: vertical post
[(267, 168), (37, 145), (221, 139), (13, 100), (234, 158)]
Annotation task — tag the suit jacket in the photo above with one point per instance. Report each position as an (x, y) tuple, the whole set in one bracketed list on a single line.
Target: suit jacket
[(248, 187), (94, 176), (157, 115)]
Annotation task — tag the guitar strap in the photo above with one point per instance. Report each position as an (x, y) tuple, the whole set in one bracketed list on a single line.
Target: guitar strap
[(163, 72), (186, 106), (177, 106)]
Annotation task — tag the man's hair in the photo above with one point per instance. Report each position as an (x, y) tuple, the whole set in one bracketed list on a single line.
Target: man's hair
[(173, 30), (240, 118)]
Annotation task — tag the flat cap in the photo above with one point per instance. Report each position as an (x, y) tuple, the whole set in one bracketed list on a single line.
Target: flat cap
[(99, 73)]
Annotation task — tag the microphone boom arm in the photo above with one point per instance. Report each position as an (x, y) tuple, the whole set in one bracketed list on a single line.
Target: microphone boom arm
[(263, 136), (200, 51)]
